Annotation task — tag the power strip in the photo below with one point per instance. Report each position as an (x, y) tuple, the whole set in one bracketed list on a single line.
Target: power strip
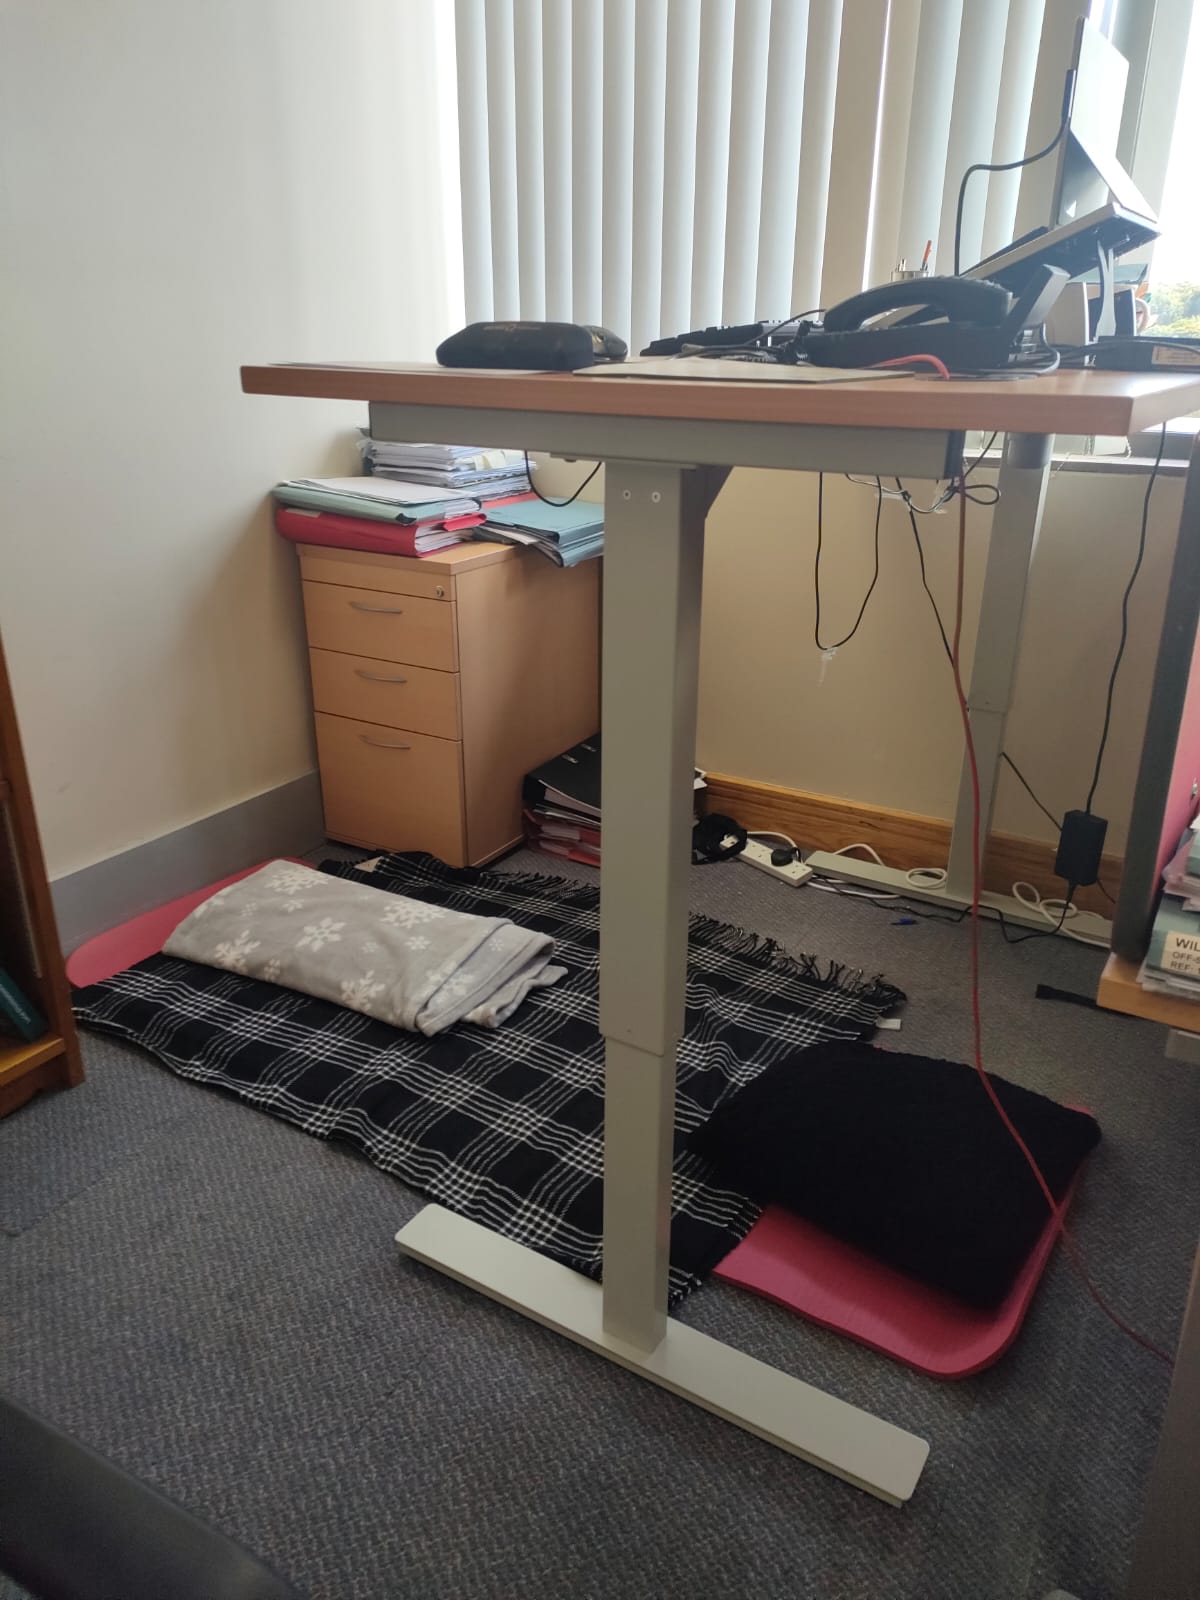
[(759, 855)]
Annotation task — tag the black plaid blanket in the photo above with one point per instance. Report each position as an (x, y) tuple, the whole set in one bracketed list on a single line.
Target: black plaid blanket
[(504, 1127)]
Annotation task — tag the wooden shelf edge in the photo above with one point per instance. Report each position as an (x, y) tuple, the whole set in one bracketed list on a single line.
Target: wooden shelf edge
[(1119, 990), (18, 1057)]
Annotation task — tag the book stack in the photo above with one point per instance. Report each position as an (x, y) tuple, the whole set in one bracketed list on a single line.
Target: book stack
[(562, 804), (465, 468), (566, 534), (18, 1015), (1172, 964), (386, 515)]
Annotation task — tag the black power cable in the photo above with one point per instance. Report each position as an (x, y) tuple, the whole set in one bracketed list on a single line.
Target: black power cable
[(545, 499), (817, 567), (1009, 166), (1028, 788)]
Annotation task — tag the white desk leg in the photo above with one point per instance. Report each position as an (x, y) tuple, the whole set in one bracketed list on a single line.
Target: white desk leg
[(653, 560), (654, 529), (1016, 522), (1015, 528)]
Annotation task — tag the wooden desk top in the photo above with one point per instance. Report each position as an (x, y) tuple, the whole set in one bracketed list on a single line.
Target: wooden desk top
[(1118, 403)]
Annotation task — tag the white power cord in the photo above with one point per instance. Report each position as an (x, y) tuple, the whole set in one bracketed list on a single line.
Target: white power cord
[(1054, 910)]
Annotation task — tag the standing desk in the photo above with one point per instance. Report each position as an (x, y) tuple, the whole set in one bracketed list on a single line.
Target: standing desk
[(669, 444)]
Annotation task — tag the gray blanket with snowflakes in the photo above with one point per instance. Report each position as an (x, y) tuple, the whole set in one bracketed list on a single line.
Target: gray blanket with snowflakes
[(414, 965)]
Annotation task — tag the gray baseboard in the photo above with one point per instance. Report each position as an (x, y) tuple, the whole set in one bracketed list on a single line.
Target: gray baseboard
[(285, 821)]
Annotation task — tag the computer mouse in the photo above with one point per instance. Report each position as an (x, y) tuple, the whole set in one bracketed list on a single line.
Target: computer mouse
[(530, 346), (607, 345)]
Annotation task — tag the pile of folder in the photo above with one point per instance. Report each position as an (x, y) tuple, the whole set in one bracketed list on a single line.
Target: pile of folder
[(567, 534), (466, 468), (1172, 964), (562, 804), (389, 515)]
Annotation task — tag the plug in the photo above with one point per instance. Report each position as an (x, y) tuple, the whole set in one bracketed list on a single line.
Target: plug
[(1080, 846)]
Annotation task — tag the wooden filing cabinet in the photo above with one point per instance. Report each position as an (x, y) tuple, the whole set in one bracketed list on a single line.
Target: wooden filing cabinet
[(438, 683)]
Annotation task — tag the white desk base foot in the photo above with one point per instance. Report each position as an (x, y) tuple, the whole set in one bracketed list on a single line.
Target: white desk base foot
[(864, 1450), (1091, 929)]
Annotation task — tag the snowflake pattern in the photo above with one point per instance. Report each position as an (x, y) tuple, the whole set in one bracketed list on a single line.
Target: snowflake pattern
[(370, 947), (359, 992), (417, 942), (317, 935), (214, 900), (408, 913), (272, 969), (291, 905), (233, 953), (250, 907), (288, 877)]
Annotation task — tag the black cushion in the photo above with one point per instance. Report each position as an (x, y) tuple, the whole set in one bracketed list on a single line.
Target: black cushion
[(903, 1156)]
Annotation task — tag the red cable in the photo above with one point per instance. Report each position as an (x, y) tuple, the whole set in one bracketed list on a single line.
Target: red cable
[(943, 370), (1056, 1211)]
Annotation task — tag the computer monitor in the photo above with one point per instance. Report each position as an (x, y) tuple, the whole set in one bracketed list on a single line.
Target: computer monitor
[(1089, 173), (1096, 207)]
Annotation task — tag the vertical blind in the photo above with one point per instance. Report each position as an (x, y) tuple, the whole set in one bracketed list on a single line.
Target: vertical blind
[(657, 165)]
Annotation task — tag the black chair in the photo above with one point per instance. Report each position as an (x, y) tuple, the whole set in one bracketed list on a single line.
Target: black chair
[(75, 1527)]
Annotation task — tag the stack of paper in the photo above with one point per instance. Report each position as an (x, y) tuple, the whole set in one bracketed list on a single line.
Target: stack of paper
[(392, 518), (378, 499), (567, 534), (562, 803), (1172, 964), (464, 467), (1182, 875)]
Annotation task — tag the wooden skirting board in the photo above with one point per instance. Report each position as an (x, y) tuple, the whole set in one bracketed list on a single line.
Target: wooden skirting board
[(821, 822)]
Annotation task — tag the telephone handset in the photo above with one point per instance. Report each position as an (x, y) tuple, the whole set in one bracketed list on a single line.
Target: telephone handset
[(969, 324), (972, 300)]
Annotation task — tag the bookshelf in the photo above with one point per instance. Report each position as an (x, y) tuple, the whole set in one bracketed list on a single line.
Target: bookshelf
[(29, 947)]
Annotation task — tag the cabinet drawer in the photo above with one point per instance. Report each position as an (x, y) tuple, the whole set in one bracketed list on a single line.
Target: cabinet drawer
[(388, 627), (391, 693), (363, 569), (392, 790)]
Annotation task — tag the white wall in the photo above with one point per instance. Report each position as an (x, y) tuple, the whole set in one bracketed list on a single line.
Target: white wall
[(187, 187)]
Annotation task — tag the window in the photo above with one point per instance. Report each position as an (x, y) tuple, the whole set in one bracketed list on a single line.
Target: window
[(663, 164), (1175, 268)]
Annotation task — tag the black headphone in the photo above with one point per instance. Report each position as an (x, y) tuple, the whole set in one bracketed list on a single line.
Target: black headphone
[(716, 838)]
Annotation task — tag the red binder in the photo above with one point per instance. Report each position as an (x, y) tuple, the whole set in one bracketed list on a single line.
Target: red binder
[(385, 538)]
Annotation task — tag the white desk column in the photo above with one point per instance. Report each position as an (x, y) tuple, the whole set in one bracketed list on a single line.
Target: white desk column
[(1016, 522), (653, 561)]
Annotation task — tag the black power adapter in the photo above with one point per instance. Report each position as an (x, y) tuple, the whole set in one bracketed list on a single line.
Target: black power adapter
[(1080, 846)]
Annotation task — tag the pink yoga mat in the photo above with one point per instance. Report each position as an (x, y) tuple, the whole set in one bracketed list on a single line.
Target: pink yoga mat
[(807, 1270), (142, 936), (782, 1257)]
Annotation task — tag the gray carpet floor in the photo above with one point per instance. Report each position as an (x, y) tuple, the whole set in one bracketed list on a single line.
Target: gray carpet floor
[(215, 1301)]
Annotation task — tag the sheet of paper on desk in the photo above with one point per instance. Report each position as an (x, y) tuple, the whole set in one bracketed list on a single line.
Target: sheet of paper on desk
[(728, 370), (393, 490)]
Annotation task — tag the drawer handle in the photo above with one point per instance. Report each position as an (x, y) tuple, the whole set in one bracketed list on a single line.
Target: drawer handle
[(378, 677), (386, 611), (383, 744)]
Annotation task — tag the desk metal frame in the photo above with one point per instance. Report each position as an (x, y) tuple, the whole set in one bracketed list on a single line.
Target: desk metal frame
[(667, 454), (655, 512)]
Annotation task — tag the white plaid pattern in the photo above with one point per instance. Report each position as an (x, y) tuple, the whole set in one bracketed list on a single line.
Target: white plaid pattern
[(504, 1126)]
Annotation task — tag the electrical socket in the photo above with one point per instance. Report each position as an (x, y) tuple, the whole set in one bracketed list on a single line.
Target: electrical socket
[(759, 855)]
